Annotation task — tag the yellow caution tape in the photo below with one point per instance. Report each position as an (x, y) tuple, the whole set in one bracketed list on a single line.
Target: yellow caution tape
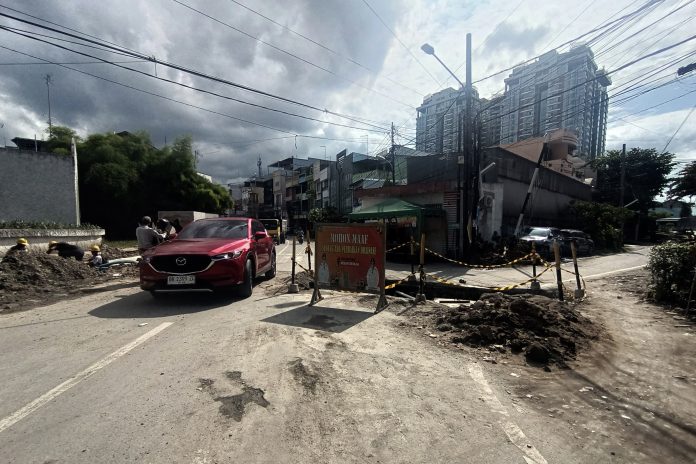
[(398, 246), (394, 284), (480, 266), (495, 289)]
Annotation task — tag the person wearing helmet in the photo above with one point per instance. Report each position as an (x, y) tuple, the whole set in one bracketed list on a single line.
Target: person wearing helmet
[(97, 259), (66, 250), (146, 235), (22, 245)]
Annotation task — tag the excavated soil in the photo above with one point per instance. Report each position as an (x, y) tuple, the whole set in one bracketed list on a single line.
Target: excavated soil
[(544, 330), (28, 279)]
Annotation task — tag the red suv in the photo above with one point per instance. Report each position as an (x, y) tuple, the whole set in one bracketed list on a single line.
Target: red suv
[(208, 255)]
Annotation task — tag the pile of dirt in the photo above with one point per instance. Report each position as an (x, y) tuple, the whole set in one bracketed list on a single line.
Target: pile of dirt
[(110, 252), (28, 279), (544, 329)]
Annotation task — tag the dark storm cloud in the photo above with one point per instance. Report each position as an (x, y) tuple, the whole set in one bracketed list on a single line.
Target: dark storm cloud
[(172, 32)]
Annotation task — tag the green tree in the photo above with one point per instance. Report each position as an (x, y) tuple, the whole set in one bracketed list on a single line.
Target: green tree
[(647, 176), (685, 183), (601, 220), (60, 138), (123, 177)]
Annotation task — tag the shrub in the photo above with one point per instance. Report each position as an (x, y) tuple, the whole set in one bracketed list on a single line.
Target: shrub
[(602, 221), (672, 266), (43, 225)]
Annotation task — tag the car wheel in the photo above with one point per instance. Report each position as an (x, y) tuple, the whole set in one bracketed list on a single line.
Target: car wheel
[(272, 271), (246, 287)]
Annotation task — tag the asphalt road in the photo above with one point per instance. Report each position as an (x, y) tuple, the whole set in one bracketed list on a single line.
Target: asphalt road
[(118, 377)]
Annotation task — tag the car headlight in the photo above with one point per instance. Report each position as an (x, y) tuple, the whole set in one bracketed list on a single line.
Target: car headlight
[(224, 256)]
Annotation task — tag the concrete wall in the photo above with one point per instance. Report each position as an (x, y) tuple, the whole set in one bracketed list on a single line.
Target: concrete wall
[(37, 186), (38, 238)]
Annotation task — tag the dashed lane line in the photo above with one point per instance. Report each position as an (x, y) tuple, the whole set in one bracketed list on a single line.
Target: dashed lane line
[(20, 414), (513, 432)]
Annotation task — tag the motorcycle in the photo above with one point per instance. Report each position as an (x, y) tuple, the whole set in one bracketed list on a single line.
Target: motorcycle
[(300, 237)]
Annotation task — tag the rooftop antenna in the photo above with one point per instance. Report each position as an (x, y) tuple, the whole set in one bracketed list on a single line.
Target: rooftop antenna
[(47, 78)]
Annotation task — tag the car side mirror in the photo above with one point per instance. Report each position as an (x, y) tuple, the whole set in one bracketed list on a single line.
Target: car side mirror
[(260, 235)]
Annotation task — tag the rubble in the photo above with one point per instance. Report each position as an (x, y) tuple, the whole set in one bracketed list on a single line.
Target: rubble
[(28, 279), (543, 329)]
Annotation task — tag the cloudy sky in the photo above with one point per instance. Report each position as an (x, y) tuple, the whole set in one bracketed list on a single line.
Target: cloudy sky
[(358, 60)]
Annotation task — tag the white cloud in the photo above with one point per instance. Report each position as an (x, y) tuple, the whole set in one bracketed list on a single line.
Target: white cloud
[(171, 32)]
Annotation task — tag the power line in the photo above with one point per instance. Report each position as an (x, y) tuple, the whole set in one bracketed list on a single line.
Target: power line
[(402, 44), (268, 44), (208, 92), (319, 44), (129, 52), (71, 62), (177, 101), (598, 28), (679, 128)]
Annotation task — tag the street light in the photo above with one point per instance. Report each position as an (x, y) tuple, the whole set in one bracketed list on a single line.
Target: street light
[(463, 161), (429, 50)]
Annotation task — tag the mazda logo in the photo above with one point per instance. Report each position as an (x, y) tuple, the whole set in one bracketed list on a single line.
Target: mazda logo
[(180, 261)]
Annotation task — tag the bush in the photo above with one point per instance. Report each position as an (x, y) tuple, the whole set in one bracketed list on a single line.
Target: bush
[(44, 225), (601, 220), (672, 266)]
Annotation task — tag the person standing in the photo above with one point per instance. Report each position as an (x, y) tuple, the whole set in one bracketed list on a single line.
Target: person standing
[(146, 235), (66, 250)]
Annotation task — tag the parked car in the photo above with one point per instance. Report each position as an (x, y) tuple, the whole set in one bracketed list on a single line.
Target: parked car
[(542, 237), (209, 255), (583, 242)]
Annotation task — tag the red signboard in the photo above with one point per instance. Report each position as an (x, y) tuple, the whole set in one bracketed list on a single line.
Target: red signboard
[(349, 257)]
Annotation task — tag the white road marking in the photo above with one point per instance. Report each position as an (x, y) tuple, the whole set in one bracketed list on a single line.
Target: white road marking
[(15, 417), (514, 433), (617, 271)]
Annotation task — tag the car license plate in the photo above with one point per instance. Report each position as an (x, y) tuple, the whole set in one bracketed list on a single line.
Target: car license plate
[(181, 280)]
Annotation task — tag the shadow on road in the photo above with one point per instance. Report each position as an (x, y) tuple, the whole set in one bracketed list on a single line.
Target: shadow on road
[(142, 304), (327, 319)]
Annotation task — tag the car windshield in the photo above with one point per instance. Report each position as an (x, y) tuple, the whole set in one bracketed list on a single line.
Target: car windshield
[(539, 232), (216, 229), (270, 223)]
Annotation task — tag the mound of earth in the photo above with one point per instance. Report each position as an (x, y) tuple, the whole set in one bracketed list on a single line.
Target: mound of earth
[(28, 279), (544, 329)]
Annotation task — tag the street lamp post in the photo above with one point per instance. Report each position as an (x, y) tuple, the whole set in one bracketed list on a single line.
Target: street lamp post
[(466, 139)]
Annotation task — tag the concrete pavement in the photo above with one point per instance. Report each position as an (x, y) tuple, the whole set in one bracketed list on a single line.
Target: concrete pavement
[(267, 379)]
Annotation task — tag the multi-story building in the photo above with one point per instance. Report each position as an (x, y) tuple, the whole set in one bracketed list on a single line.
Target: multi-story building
[(440, 120), (557, 91), (489, 120)]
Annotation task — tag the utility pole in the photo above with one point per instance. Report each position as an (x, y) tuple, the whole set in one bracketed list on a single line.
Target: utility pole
[(393, 156), (623, 176), (258, 163), (466, 213), (622, 187), (47, 78)]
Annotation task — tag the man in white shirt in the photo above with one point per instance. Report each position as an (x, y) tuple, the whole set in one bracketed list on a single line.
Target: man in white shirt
[(146, 235)]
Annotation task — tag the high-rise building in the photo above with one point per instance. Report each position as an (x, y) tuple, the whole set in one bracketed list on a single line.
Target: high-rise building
[(440, 119), (557, 91)]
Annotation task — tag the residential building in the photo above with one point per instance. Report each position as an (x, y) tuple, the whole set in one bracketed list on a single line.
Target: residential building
[(440, 120), (558, 90), (562, 144)]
